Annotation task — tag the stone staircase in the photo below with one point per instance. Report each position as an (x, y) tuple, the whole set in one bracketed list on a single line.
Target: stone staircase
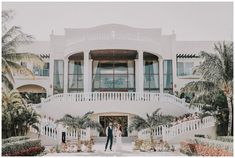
[(103, 139)]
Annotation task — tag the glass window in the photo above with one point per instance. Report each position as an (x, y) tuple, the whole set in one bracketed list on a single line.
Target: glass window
[(75, 76), (151, 75), (37, 71), (58, 86), (105, 67), (167, 75), (120, 67), (185, 68), (106, 81), (131, 81), (120, 81), (113, 75)]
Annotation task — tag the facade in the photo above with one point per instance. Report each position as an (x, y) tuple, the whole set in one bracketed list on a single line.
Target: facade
[(114, 70)]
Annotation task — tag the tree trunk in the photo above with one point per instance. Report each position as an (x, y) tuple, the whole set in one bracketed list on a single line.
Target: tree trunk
[(152, 140), (230, 115), (79, 140)]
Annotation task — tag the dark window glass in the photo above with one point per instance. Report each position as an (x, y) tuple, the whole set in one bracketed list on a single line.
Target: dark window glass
[(113, 75), (75, 76), (167, 76), (151, 75), (58, 86)]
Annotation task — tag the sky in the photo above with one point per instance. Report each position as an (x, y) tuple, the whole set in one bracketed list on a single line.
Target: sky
[(189, 21)]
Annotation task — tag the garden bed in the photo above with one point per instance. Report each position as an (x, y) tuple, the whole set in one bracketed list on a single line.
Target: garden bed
[(28, 147), (206, 147)]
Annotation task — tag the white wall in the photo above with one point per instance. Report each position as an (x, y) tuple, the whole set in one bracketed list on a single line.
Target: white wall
[(113, 36)]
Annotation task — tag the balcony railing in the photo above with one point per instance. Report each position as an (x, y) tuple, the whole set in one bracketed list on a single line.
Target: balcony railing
[(50, 129), (168, 133), (115, 96)]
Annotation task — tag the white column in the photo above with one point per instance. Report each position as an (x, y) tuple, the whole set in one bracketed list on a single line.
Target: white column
[(66, 68), (51, 76), (137, 75), (161, 75), (87, 66), (90, 75), (140, 71)]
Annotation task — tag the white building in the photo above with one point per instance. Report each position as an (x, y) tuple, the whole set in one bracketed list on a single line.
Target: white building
[(114, 70)]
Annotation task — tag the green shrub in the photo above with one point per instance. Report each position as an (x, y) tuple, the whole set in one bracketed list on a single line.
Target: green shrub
[(227, 146), (14, 139), (225, 138), (29, 147)]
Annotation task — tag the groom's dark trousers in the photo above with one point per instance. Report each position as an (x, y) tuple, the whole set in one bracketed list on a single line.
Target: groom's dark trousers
[(109, 138)]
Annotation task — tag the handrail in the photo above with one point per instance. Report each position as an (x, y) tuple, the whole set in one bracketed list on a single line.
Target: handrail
[(52, 130), (114, 96), (168, 133)]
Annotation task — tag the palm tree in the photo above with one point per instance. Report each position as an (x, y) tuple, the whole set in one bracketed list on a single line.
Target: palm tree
[(151, 122), (80, 122), (11, 39), (217, 74), (16, 116)]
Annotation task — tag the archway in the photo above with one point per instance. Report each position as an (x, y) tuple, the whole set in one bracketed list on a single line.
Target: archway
[(32, 93)]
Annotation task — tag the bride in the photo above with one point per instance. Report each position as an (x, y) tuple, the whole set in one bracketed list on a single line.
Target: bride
[(119, 138)]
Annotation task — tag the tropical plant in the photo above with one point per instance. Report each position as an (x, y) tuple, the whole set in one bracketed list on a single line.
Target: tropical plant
[(28, 147), (78, 123), (216, 74), (11, 39), (16, 116), (151, 122)]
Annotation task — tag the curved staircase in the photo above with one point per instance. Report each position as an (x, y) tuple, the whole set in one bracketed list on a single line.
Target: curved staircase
[(182, 131)]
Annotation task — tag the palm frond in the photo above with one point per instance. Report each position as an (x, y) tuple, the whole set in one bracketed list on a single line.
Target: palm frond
[(35, 127), (199, 86), (6, 71), (24, 57), (17, 68), (6, 81), (21, 38), (138, 123), (156, 111), (88, 114)]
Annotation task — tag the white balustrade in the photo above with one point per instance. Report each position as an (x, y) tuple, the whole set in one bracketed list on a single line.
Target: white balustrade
[(114, 96), (49, 129), (168, 133)]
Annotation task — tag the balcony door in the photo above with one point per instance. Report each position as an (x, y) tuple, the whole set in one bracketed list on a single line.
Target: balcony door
[(113, 75)]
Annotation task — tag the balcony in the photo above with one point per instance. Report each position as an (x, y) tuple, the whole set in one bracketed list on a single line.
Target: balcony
[(109, 102)]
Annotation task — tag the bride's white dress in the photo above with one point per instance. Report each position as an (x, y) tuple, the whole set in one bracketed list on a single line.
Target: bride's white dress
[(118, 140)]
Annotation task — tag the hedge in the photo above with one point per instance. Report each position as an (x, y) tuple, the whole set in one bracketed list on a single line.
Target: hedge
[(14, 139), (28, 147), (225, 138), (227, 146)]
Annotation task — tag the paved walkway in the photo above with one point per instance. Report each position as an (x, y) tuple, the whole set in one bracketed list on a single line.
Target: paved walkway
[(126, 151)]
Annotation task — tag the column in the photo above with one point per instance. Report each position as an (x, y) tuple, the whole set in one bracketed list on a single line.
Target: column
[(140, 71), (137, 75), (90, 75), (66, 68), (161, 75), (51, 76), (87, 66)]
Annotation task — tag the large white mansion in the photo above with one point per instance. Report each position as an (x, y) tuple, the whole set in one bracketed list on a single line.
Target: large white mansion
[(116, 71)]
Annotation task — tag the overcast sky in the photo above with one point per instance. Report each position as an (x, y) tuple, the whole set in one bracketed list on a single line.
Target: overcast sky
[(190, 21)]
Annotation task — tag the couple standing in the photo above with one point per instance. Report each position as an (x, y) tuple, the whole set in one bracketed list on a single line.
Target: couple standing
[(110, 134)]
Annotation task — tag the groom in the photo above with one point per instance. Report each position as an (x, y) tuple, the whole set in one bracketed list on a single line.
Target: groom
[(109, 134)]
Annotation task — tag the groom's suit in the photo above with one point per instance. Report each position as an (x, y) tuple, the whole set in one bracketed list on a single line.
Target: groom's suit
[(109, 134)]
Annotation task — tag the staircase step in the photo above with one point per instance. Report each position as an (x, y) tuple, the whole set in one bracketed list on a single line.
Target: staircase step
[(124, 139)]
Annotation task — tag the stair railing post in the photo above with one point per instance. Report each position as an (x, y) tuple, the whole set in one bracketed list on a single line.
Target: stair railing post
[(164, 134)]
